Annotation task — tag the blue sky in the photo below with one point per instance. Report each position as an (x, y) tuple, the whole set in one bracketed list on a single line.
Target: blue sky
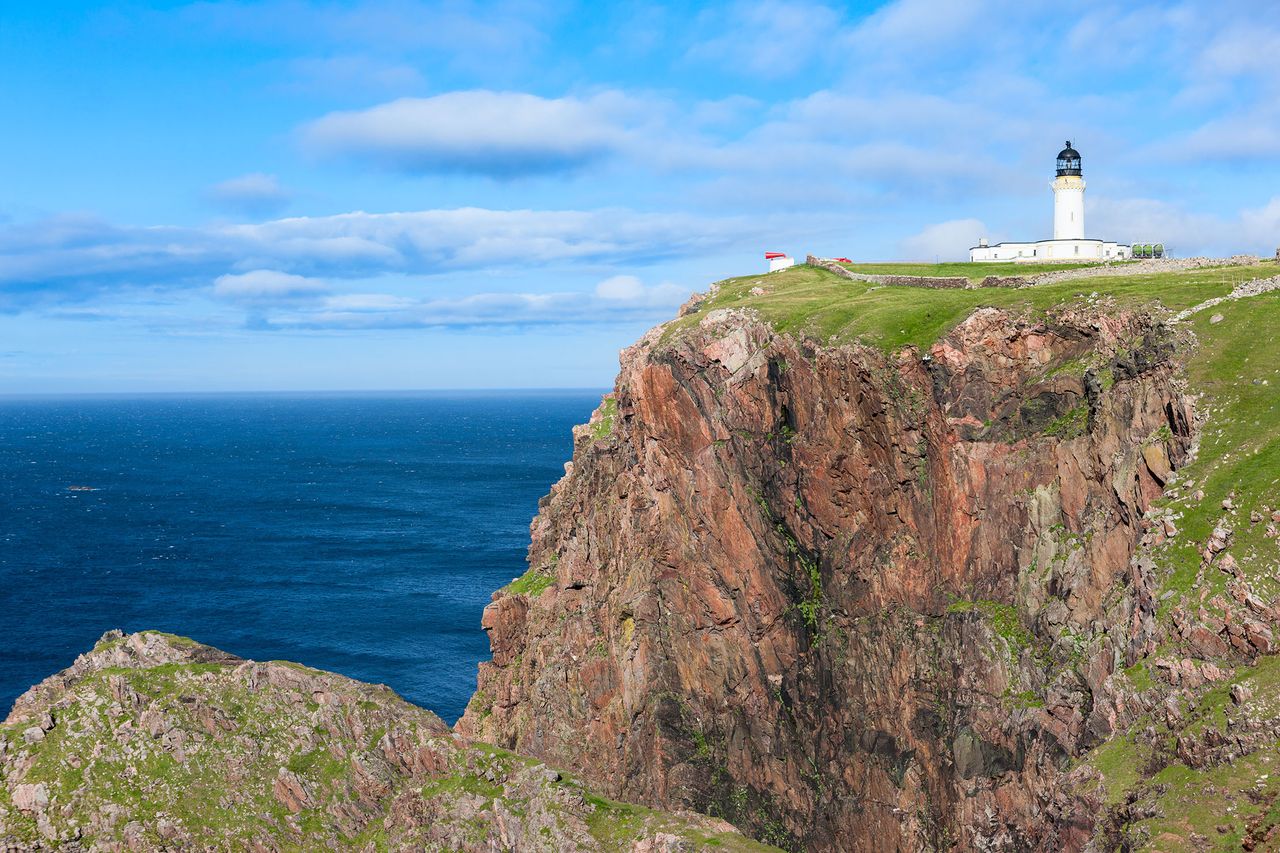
[(388, 194)]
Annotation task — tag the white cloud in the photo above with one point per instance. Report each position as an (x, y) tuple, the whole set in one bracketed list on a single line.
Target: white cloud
[(1253, 135), (479, 27), (501, 134), (253, 194), (629, 289), (620, 287), (620, 299), (367, 302), (267, 286), (1242, 49), (771, 38), (70, 259), (1184, 232), (944, 241), (1261, 226), (918, 23)]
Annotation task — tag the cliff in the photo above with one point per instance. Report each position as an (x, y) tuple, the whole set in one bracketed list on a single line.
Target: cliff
[(154, 742), (873, 568)]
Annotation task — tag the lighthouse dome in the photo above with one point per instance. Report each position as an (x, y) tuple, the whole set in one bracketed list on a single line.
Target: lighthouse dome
[(1068, 161)]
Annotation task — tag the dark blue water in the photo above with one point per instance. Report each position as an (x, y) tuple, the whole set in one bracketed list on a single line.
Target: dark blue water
[(361, 534)]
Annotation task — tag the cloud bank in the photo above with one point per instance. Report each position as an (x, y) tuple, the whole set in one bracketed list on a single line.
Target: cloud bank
[(612, 301), (72, 258), (267, 286), (498, 134)]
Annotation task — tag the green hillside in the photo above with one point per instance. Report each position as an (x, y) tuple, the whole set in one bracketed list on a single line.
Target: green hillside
[(813, 301)]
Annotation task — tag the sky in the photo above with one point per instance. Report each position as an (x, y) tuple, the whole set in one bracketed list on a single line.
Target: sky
[(392, 194)]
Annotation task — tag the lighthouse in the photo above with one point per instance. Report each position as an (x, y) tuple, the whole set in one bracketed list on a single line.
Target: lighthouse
[(1068, 196), (1069, 242)]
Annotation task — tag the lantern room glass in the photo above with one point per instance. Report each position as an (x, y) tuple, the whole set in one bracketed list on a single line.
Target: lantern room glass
[(1068, 161)]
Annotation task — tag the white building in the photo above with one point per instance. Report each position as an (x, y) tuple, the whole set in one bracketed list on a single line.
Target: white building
[(778, 261), (1069, 242)]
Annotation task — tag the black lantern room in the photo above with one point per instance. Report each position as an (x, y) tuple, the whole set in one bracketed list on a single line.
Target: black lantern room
[(1068, 161)]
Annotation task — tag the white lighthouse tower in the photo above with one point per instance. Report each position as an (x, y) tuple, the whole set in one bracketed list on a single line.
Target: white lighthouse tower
[(1069, 242), (1068, 196)]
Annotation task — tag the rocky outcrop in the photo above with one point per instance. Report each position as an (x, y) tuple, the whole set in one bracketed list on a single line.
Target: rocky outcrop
[(153, 742), (849, 599)]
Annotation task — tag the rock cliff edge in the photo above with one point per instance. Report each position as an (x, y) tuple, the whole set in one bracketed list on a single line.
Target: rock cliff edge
[(849, 599)]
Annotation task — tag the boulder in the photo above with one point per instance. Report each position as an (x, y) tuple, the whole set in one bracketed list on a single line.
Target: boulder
[(31, 798)]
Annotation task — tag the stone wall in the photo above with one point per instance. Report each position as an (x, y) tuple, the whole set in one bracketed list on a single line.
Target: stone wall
[(895, 280), (1107, 270)]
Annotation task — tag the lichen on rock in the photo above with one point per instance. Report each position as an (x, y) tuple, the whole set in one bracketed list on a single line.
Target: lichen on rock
[(154, 742)]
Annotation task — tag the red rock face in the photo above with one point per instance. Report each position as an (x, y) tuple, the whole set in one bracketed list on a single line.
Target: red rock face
[(844, 599)]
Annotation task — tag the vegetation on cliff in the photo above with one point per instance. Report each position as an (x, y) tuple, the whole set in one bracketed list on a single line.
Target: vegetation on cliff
[(153, 742), (1200, 768)]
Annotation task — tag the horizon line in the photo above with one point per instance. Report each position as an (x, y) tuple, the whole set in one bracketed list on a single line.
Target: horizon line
[(19, 395)]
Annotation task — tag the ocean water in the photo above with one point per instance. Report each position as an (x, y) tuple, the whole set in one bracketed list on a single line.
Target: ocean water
[(357, 533)]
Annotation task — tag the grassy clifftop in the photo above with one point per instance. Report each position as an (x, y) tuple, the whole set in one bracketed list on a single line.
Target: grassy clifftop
[(812, 301)]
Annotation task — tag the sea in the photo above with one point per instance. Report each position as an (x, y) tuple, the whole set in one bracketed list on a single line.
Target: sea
[(359, 533)]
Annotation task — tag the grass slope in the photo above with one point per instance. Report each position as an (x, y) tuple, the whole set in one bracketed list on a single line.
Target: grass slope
[(1237, 368), (813, 301)]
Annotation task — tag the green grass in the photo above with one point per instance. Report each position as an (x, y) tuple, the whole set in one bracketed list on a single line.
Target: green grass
[(811, 605), (1190, 801), (975, 271), (1071, 424), (603, 428), (1139, 676), (1262, 679), (615, 825), (1236, 368), (1239, 447), (461, 783), (532, 583), (811, 301), (1119, 760), (1194, 804), (1004, 622)]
